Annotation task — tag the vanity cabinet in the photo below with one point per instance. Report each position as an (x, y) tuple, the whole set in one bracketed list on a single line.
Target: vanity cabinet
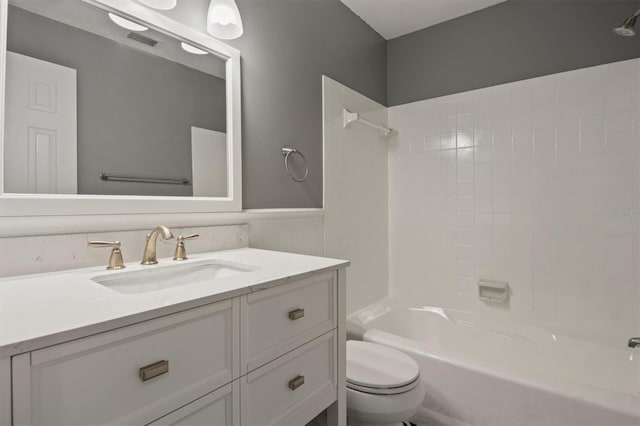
[(270, 356)]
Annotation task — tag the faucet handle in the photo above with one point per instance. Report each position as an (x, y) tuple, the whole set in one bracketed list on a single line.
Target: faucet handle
[(181, 252), (115, 260)]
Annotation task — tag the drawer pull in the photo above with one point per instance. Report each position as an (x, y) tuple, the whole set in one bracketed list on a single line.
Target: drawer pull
[(296, 382), (153, 370), (296, 314)]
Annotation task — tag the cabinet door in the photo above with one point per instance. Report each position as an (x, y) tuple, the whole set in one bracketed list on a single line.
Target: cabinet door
[(128, 376), (218, 408)]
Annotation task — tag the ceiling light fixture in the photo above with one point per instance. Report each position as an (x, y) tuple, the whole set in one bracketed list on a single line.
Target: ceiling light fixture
[(127, 24), (192, 49), (223, 19), (160, 4)]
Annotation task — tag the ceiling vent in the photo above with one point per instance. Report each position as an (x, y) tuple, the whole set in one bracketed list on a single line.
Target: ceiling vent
[(142, 39)]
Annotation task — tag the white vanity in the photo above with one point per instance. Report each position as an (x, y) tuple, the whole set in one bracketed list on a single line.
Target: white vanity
[(262, 345)]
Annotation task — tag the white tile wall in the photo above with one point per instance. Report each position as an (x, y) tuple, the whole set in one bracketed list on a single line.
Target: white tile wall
[(535, 182)]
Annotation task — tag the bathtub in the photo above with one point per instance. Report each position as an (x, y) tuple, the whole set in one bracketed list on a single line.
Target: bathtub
[(488, 371)]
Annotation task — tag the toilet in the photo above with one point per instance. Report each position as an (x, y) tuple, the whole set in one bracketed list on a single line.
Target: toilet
[(384, 387)]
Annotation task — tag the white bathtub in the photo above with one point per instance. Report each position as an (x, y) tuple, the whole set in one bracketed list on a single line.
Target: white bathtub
[(485, 371)]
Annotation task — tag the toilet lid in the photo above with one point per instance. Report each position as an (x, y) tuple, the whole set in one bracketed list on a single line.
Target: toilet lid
[(370, 365)]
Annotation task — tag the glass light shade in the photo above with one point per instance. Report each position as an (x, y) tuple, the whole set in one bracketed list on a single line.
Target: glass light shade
[(192, 49), (160, 4), (127, 24), (223, 19)]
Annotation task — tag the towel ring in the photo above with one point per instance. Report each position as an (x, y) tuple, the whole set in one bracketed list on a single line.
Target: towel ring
[(287, 151)]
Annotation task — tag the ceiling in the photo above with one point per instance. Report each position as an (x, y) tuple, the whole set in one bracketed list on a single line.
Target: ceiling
[(393, 18)]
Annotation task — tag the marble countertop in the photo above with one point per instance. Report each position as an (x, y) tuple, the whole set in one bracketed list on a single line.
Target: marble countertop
[(46, 309)]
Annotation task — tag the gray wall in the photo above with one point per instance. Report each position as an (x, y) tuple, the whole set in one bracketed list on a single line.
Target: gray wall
[(511, 41), (135, 110), (286, 47)]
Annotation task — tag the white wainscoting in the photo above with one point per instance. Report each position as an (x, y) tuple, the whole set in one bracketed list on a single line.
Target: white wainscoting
[(302, 236)]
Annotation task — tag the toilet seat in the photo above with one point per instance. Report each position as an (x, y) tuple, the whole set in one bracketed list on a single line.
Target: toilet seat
[(384, 391), (380, 370)]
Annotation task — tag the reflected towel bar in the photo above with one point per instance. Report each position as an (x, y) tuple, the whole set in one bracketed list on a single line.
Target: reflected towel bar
[(169, 181)]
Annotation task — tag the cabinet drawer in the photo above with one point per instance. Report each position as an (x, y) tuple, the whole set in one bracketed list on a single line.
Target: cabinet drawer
[(218, 408), (293, 388), (99, 379), (283, 318)]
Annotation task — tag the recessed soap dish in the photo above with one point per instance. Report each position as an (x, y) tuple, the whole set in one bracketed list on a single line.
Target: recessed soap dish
[(493, 291)]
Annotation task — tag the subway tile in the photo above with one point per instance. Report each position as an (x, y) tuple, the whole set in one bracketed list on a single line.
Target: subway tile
[(465, 188), (464, 155), (483, 154), (464, 139), (621, 121), (620, 101), (448, 125), (465, 171), (482, 137), (448, 157), (465, 123), (591, 80), (502, 135), (593, 104), (448, 141), (502, 153), (593, 123)]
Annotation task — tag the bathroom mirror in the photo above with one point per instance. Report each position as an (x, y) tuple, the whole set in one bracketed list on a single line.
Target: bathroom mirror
[(113, 107)]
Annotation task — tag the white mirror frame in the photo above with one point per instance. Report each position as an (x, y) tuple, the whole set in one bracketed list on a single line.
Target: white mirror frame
[(17, 208)]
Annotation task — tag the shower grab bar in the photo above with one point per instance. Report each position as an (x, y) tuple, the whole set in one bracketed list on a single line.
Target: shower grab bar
[(137, 179), (349, 117)]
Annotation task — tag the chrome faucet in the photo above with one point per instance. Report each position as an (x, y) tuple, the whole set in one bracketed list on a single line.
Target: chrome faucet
[(149, 256), (634, 342)]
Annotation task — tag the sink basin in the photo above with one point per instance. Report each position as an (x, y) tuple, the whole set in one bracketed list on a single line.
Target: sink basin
[(159, 278)]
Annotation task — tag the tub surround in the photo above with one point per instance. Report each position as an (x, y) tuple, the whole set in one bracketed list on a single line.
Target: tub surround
[(355, 202), (535, 183)]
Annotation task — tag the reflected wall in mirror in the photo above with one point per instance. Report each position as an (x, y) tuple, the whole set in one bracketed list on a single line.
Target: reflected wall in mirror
[(94, 108)]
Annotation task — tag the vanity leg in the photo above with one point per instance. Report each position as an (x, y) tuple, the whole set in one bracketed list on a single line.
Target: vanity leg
[(337, 412)]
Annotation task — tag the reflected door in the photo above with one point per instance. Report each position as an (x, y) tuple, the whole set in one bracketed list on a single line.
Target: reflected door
[(41, 127), (208, 162)]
